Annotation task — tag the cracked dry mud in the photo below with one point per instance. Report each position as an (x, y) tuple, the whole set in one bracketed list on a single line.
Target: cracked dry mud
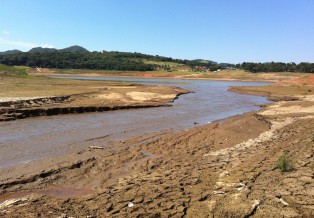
[(224, 169)]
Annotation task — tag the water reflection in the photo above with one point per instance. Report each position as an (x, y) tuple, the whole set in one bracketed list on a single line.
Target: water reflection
[(42, 137)]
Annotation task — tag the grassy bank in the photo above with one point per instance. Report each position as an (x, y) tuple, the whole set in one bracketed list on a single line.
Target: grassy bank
[(6, 71)]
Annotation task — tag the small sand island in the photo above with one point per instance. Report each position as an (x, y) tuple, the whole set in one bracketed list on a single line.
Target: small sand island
[(258, 164)]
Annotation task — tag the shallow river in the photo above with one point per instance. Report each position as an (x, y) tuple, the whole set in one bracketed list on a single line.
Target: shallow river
[(36, 138)]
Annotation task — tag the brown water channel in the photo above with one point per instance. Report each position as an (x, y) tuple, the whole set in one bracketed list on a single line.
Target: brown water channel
[(42, 137)]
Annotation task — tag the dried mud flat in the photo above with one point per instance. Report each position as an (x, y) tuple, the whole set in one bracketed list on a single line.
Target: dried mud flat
[(227, 168)]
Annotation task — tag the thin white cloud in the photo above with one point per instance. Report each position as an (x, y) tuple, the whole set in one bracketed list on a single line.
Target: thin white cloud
[(23, 44), (5, 32), (46, 45)]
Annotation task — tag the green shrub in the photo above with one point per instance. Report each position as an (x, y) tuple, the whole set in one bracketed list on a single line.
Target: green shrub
[(284, 164), (312, 138)]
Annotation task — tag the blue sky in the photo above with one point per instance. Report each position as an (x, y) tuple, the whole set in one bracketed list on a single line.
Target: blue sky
[(224, 31)]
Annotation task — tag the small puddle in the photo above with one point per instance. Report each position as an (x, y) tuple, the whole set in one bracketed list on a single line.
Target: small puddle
[(13, 195), (59, 192), (64, 192)]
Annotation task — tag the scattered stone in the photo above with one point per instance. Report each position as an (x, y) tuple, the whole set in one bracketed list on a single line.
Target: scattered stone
[(12, 202), (255, 204), (219, 192), (63, 215), (197, 181), (96, 147), (283, 202)]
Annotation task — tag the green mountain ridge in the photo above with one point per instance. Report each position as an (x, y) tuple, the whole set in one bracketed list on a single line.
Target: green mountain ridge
[(42, 50), (74, 48), (205, 61), (10, 52)]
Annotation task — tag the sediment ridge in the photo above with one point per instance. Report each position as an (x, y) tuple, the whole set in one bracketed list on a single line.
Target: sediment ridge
[(24, 107), (8, 114)]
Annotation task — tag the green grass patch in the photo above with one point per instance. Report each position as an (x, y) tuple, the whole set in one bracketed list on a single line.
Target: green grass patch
[(13, 71)]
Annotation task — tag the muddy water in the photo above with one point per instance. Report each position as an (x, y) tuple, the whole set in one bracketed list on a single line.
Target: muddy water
[(36, 138)]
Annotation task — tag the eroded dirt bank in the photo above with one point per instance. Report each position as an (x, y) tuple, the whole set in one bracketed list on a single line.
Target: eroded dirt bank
[(224, 169), (21, 98)]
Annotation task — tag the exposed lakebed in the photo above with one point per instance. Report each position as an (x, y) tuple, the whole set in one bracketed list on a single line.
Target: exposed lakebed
[(26, 140)]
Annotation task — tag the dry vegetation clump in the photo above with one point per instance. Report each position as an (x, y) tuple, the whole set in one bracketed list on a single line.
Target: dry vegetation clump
[(285, 164)]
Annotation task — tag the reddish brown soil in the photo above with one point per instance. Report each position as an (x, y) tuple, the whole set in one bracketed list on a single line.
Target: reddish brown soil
[(301, 81)]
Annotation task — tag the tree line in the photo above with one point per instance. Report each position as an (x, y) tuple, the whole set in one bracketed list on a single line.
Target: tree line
[(112, 60), (69, 60), (277, 67), (127, 61)]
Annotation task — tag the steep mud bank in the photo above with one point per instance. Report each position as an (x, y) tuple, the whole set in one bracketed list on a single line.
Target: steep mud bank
[(20, 108), (8, 114)]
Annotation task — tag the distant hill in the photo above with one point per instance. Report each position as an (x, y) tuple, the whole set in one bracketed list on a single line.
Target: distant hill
[(10, 52), (42, 50), (74, 48), (226, 65), (205, 61)]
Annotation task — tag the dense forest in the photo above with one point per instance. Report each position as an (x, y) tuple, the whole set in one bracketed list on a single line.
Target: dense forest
[(83, 59), (277, 67), (70, 60)]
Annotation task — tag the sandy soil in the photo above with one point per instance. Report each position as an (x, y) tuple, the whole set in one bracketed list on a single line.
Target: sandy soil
[(227, 168)]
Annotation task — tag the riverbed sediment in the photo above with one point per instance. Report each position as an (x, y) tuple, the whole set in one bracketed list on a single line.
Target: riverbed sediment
[(228, 168)]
